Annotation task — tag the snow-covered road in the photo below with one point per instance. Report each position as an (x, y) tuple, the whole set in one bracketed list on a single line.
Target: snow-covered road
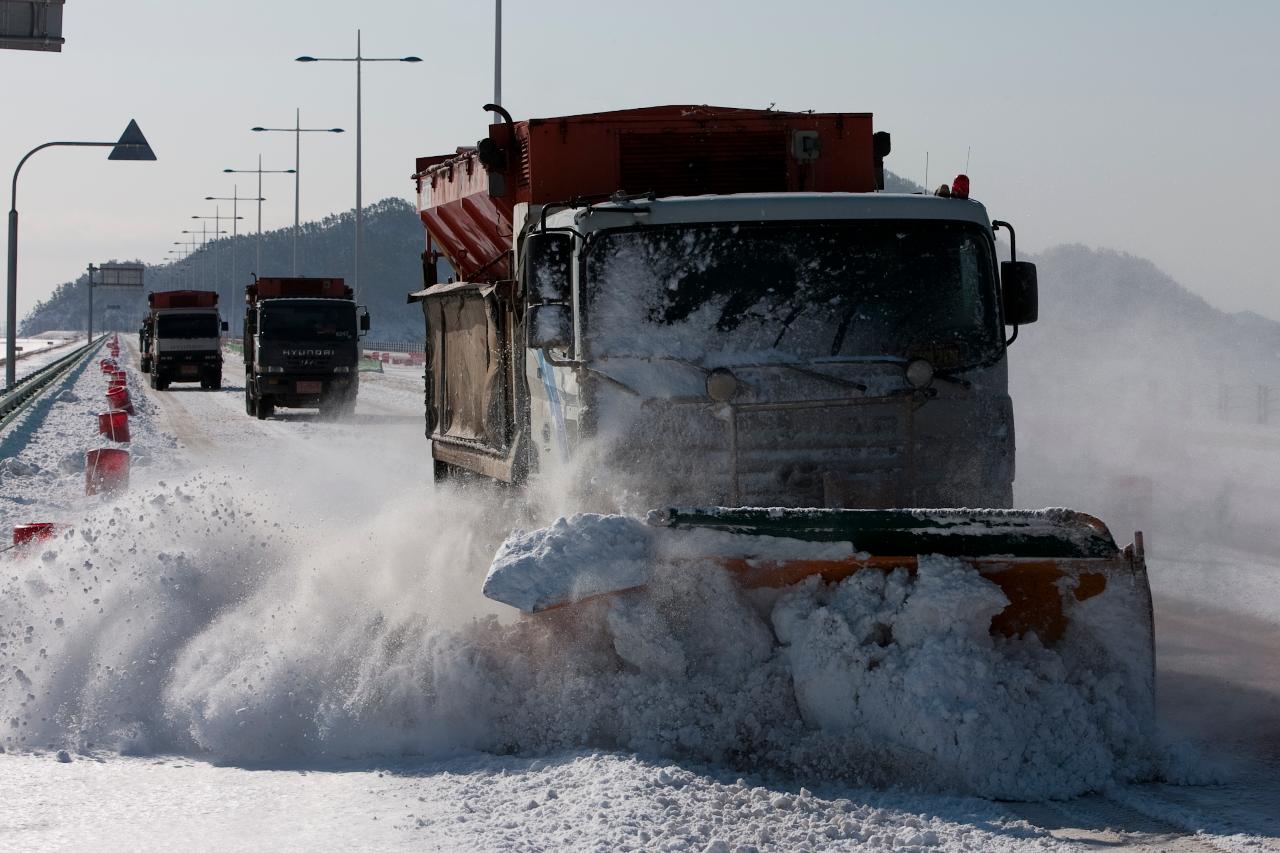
[(35, 353), (259, 599)]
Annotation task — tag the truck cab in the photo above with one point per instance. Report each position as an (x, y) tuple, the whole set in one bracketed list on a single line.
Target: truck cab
[(789, 349), (765, 327), (302, 345), (182, 337)]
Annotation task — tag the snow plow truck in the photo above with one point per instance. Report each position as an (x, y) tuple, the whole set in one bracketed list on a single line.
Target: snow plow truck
[(725, 310), (181, 338)]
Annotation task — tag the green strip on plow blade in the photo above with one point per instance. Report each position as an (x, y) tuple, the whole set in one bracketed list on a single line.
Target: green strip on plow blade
[(1048, 533)]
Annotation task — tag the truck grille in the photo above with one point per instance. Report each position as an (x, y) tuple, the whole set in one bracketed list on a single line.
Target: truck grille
[(806, 454)]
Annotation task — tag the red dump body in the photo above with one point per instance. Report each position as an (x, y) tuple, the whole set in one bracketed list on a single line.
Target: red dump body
[(297, 288), (182, 299), (466, 199)]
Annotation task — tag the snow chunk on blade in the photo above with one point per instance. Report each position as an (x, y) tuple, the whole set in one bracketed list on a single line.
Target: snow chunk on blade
[(588, 554), (573, 559)]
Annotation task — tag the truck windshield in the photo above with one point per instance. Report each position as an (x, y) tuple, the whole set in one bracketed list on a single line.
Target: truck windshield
[(301, 320), (187, 326), (792, 291)]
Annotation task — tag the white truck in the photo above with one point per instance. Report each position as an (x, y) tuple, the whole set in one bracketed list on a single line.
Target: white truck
[(181, 338)]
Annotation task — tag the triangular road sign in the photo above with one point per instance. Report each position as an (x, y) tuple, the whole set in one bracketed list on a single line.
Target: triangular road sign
[(132, 145)]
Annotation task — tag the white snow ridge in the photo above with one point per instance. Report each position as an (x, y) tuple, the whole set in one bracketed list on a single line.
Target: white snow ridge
[(289, 642)]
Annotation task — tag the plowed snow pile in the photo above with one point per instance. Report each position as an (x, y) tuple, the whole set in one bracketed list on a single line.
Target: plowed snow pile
[(184, 619)]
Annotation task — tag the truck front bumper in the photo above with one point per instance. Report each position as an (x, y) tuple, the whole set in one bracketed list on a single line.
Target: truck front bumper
[(306, 390)]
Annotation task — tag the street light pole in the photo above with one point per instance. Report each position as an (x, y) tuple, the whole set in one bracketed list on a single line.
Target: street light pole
[(497, 57), (190, 245), (89, 325), (235, 198), (217, 226), (359, 59), (131, 145), (204, 255), (297, 130), (260, 172)]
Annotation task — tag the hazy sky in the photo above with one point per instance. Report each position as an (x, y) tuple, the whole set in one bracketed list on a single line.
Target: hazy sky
[(1149, 127)]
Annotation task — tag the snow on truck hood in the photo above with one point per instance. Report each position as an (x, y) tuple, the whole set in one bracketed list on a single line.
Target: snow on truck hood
[(748, 207)]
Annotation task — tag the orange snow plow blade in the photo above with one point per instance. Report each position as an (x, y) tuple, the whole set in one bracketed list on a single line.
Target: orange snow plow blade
[(1044, 561), (1065, 579), (1033, 586)]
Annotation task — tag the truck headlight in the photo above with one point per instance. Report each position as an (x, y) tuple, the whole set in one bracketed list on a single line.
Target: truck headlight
[(273, 368), (343, 369), (919, 373)]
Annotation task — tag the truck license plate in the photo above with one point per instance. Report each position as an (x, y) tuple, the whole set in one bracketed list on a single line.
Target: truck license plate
[(309, 387), (190, 370)]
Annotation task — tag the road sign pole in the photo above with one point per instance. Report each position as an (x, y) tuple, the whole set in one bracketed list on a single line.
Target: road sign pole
[(89, 337)]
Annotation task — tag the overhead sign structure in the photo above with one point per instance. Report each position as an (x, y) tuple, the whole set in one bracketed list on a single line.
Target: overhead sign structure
[(119, 275), (31, 25)]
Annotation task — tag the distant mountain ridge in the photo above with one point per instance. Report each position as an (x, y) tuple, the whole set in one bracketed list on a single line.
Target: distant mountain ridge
[(1100, 303), (392, 266)]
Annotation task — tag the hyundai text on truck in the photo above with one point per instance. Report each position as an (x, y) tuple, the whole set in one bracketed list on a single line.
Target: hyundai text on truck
[(302, 345), (181, 338)]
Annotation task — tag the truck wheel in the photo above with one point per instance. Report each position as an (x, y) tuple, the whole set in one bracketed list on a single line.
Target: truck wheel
[(266, 408), (216, 385), (249, 408), (145, 365), (440, 471)]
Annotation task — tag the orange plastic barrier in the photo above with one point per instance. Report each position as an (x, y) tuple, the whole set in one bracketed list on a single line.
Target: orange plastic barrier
[(114, 425), (105, 470)]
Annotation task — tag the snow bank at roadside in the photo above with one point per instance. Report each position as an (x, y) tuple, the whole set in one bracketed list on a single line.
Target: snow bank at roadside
[(43, 451)]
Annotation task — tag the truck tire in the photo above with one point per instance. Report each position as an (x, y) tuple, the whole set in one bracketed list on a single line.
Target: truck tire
[(249, 408), (440, 471), (266, 408), (145, 365)]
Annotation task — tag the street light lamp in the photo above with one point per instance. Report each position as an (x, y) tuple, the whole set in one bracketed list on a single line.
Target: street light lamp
[(359, 59), (260, 172), (131, 145), (297, 130)]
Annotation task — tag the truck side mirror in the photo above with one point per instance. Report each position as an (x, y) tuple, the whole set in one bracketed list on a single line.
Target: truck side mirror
[(1019, 292), (364, 321), (550, 327), (545, 270), (225, 327)]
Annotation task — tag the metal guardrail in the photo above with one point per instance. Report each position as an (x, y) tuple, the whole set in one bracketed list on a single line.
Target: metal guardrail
[(16, 397)]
